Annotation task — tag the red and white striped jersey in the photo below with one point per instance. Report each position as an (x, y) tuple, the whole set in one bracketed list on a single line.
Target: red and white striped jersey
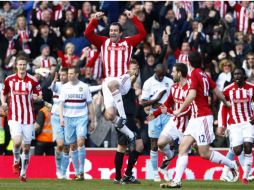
[(242, 18), (115, 56), (175, 99), (21, 103), (240, 99), (222, 7), (94, 61), (202, 83)]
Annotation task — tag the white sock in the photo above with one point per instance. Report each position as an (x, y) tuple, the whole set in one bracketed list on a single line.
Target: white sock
[(24, 163), (168, 152), (248, 160), (225, 171), (117, 96), (217, 157), (125, 130), (181, 165), (16, 154)]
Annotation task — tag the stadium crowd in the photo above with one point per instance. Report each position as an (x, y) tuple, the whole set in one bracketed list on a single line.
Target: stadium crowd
[(51, 35)]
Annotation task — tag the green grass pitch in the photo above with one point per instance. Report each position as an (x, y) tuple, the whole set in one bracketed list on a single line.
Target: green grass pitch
[(42, 184)]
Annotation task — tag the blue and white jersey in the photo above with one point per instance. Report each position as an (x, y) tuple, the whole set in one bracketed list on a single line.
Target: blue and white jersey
[(76, 98), (152, 88)]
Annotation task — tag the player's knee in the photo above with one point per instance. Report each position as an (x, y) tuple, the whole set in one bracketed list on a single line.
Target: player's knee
[(59, 148), (113, 86), (238, 150), (73, 147), (139, 146), (247, 148), (110, 114)]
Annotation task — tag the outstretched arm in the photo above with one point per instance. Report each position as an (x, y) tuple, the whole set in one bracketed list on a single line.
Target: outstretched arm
[(136, 39), (89, 32)]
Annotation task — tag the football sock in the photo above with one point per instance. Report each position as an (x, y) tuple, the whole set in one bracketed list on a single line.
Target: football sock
[(117, 96), (81, 158), (118, 164), (74, 159), (65, 163), (154, 161), (217, 157), (58, 159), (248, 160), (24, 163), (168, 152), (131, 162), (181, 165), (16, 154)]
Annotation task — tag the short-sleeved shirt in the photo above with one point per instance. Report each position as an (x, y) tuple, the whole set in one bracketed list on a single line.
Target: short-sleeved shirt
[(152, 87), (21, 103), (76, 99), (202, 83)]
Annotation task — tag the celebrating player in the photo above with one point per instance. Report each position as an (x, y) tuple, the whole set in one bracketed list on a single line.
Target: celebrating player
[(116, 54)]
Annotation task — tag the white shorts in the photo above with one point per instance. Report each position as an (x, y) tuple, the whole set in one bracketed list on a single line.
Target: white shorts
[(171, 132), (238, 132), (26, 131), (201, 129), (125, 85)]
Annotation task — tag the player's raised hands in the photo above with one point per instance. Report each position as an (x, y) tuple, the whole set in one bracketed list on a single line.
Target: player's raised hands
[(128, 14), (98, 15)]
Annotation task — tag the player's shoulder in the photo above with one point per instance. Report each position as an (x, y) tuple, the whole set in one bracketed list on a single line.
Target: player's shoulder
[(10, 77), (229, 87), (169, 80), (31, 77), (250, 84)]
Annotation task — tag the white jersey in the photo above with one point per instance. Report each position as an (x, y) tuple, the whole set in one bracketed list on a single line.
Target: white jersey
[(152, 87), (56, 89), (76, 98)]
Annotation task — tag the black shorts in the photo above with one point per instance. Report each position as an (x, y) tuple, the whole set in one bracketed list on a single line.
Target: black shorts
[(131, 124)]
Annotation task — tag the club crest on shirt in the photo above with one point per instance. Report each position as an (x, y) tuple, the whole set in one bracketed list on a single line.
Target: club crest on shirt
[(166, 84), (80, 89)]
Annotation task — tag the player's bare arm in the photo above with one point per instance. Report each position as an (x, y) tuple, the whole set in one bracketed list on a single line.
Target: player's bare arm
[(219, 94), (61, 107), (91, 117)]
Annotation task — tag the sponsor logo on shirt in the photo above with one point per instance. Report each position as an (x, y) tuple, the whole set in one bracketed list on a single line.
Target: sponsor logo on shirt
[(116, 48)]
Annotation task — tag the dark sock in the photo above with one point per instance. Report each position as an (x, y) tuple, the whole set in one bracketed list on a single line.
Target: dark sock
[(118, 164), (133, 157)]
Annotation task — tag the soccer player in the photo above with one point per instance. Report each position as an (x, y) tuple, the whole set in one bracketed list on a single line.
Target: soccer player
[(173, 131), (75, 110), (62, 150), (241, 119), (155, 91), (116, 54), (200, 127), (23, 89), (131, 110)]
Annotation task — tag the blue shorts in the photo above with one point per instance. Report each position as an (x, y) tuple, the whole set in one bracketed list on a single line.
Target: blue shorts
[(58, 131), (157, 125), (75, 127)]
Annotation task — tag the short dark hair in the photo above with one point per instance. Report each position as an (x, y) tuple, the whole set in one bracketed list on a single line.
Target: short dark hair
[(64, 69), (117, 24), (76, 69), (243, 71), (21, 57), (195, 59), (182, 68)]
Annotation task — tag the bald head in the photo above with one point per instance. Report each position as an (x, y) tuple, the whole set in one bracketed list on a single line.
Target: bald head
[(160, 72)]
